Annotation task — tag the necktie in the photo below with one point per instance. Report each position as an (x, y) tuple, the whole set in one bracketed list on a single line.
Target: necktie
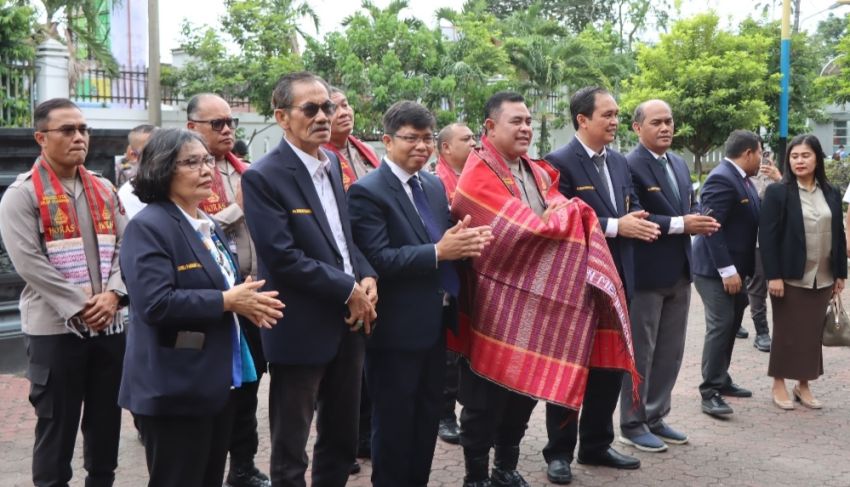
[(599, 162), (668, 170), (229, 270), (752, 193), (448, 277)]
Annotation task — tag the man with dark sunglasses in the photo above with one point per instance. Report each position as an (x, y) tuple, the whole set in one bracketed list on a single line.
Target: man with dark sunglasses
[(209, 115)]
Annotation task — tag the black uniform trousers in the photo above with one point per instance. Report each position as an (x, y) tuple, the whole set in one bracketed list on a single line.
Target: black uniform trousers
[(450, 388), (330, 390), (244, 439), (595, 426), (406, 388), (187, 451), (70, 376), (491, 415)]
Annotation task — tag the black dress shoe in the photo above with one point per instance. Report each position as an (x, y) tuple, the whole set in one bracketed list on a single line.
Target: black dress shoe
[(762, 342), (507, 478), (742, 332), (716, 406), (558, 472), (247, 476), (449, 431), (610, 458), (355, 468), (734, 390)]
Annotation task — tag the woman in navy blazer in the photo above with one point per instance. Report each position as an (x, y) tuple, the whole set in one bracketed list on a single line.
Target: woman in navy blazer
[(803, 247), (185, 348)]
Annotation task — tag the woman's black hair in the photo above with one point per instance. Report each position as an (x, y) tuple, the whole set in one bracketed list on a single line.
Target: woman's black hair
[(158, 162), (820, 170)]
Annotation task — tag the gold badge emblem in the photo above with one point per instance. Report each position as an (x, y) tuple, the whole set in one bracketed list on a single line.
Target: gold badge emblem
[(61, 218)]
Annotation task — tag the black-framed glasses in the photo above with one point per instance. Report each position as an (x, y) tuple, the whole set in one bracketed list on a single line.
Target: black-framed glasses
[(311, 109), (415, 139), (217, 124), (70, 130), (195, 163)]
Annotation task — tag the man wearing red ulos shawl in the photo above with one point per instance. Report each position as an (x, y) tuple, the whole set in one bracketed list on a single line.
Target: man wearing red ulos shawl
[(356, 159), (454, 143), (210, 116), (62, 226), (544, 301)]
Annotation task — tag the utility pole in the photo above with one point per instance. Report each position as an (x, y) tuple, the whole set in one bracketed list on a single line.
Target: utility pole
[(785, 70), (154, 86)]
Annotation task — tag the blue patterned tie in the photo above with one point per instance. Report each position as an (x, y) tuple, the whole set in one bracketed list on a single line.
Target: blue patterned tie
[(448, 277)]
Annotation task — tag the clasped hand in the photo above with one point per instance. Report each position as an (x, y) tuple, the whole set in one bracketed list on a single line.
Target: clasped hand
[(261, 307), (462, 241)]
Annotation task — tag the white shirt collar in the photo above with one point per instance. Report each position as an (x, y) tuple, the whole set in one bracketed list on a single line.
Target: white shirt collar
[(309, 161), (591, 152), (740, 171), (202, 225), (400, 173), (656, 156)]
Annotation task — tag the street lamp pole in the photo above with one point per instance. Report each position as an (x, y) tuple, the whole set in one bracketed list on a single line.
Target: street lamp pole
[(785, 70), (154, 87)]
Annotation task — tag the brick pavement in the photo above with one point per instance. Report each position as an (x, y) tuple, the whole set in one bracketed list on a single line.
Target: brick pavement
[(759, 446)]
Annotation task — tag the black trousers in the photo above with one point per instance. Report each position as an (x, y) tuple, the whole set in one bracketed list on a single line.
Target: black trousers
[(187, 451), (364, 434), (244, 439), (330, 390), (491, 415), (70, 377), (757, 296), (406, 388), (595, 426), (450, 388)]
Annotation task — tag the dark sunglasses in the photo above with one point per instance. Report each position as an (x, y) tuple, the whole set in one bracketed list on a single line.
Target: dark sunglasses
[(311, 109), (70, 130), (218, 124)]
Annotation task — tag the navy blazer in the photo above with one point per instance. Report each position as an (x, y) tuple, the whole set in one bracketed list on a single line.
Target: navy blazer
[(174, 285), (388, 229), (725, 193), (298, 256), (782, 236), (581, 179), (662, 263)]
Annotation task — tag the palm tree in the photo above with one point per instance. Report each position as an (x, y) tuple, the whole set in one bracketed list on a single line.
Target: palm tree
[(77, 24)]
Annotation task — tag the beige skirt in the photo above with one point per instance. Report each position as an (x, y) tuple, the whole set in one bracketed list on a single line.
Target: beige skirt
[(796, 351)]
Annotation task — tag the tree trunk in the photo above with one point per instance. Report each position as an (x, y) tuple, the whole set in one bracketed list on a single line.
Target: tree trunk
[(698, 168)]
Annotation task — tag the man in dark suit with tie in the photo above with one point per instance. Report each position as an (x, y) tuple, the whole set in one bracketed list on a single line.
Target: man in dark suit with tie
[(721, 262), (400, 219), (298, 218), (662, 295), (600, 177)]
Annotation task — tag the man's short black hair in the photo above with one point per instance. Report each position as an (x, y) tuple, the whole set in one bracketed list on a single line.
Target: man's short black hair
[(144, 128), (283, 96), (240, 148), (495, 102), (583, 102), (158, 162), (193, 106), (407, 112), (41, 115), (739, 141)]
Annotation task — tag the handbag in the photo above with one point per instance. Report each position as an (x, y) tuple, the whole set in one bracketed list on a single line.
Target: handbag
[(836, 328)]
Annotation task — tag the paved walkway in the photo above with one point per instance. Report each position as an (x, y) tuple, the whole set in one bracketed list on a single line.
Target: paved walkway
[(758, 446)]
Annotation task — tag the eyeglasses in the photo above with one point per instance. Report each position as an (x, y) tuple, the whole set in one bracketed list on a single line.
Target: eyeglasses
[(415, 139), (311, 109), (218, 124), (195, 163), (71, 130)]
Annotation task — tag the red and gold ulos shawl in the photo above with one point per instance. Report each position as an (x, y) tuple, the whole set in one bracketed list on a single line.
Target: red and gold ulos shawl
[(218, 199), (348, 174), (448, 176), (544, 301)]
